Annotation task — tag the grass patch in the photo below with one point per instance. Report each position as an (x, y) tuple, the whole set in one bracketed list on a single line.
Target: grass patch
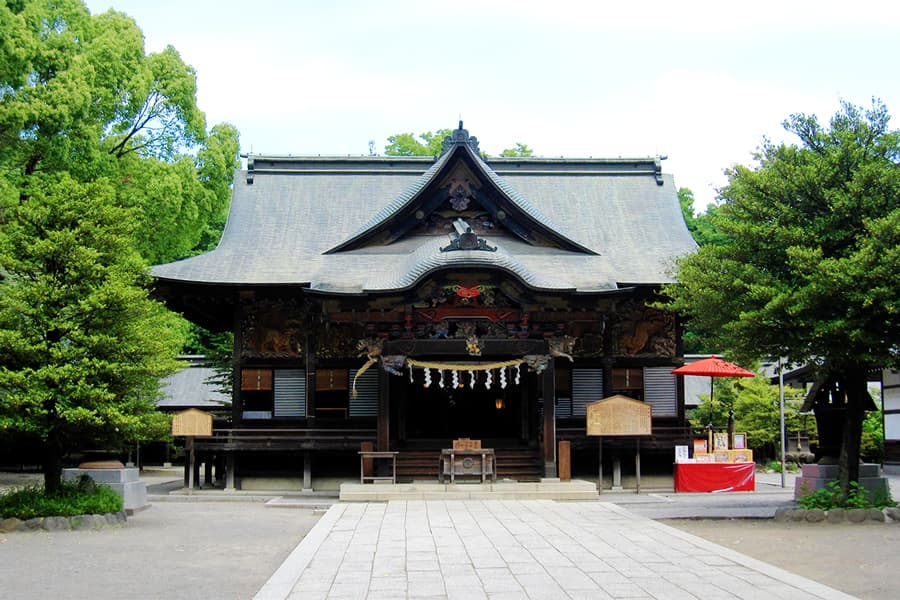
[(83, 497)]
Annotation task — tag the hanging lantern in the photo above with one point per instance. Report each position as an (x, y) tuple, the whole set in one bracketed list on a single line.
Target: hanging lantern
[(498, 403)]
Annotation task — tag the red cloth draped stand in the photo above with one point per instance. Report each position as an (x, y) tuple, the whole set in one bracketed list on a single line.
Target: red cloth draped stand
[(715, 477)]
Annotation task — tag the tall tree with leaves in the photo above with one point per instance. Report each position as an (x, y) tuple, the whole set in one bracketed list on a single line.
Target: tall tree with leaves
[(808, 266), (105, 163), (431, 144), (408, 144)]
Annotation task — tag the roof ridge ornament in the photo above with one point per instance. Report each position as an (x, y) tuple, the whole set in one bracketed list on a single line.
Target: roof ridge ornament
[(464, 239), (460, 137)]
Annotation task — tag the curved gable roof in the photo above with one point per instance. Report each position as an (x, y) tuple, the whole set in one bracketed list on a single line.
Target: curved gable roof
[(429, 257), (512, 210)]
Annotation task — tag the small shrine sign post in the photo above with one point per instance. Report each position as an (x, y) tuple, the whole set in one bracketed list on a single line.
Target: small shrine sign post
[(620, 416), (189, 424)]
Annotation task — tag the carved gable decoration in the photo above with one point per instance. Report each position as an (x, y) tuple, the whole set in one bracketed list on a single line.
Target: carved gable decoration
[(460, 185)]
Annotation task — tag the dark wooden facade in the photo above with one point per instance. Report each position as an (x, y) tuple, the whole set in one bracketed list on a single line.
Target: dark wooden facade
[(456, 306)]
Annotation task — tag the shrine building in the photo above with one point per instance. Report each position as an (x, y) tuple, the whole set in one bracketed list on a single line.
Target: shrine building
[(400, 303)]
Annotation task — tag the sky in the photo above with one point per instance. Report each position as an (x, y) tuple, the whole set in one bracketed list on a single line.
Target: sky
[(699, 82)]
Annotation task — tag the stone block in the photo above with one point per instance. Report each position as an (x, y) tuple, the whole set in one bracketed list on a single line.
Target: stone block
[(857, 515), (783, 514), (9, 524), (125, 482), (815, 515), (892, 513), (31, 524), (798, 514), (875, 514), (837, 515), (56, 524)]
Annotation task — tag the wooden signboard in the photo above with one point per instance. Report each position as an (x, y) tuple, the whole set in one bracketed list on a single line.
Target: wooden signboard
[(192, 422), (619, 415)]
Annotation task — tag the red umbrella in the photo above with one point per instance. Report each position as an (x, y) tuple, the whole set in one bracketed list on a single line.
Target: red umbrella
[(712, 367)]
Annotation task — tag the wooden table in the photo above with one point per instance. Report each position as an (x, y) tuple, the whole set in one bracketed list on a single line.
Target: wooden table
[(462, 462), (367, 454), (715, 477)]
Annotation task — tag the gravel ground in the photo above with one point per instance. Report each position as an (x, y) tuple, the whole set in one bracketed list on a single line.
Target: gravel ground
[(213, 549), (172, 550), (858, 559)]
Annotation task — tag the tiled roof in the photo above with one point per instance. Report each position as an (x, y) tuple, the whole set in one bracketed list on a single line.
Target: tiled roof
[(190, 387), (282, 225)]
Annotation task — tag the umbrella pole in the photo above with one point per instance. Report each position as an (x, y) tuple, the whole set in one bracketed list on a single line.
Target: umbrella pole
[(711, 427)]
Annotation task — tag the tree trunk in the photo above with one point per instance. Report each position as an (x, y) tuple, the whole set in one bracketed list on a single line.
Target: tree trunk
[(854, 383), (52, 463)]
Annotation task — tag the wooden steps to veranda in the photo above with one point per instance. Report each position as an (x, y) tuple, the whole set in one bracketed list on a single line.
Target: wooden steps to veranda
[(519, 464)]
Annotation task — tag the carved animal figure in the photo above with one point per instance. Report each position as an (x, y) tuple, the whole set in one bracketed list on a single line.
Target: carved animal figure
[(562, 347), (370, 347), (636, 341)]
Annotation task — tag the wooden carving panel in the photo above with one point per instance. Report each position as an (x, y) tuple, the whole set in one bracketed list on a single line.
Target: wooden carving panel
[(273, 330), (644, 331), (619, 415)]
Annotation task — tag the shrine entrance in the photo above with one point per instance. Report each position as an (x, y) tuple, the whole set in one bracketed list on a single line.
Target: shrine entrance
[(467, 405)]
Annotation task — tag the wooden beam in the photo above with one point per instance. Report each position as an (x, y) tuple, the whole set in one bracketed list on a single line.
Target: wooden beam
[(549, 394)]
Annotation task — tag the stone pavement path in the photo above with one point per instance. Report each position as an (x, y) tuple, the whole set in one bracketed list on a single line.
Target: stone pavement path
[(518, 549)]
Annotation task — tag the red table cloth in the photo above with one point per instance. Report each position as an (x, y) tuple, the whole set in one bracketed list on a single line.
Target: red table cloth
[(715, 477)]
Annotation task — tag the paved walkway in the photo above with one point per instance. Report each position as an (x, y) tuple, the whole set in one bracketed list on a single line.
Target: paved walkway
[(518, 549)]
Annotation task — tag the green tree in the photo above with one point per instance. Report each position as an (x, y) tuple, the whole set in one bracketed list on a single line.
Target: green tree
[(808, 267), (83, 346), (105, 163), (78, 94), (519, 150), (406, 144)]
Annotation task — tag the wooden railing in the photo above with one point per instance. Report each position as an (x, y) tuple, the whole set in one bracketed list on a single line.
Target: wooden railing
[(229, 440)]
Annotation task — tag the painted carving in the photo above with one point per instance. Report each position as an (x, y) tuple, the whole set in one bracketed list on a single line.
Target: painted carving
[(644, 331), (273, 331), (370, 347), (562, 347), (537, 362)]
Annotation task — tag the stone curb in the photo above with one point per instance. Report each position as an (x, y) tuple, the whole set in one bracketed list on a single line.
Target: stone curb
[(75, 523), (837, 515)]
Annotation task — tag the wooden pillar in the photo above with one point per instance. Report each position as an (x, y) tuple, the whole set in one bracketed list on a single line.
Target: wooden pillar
[(548, 385), (565, 460), (197, 474), (230, 464), (311, 362), (307, 472), (207, 470), (383, 433), (237, 407)]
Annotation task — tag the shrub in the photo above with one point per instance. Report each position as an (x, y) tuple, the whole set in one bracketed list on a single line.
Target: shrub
[(830, 497), (83, 497), (775, 465)]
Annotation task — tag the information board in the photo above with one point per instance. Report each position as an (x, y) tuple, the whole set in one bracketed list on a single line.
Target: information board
[(619, 415), (192, 422)]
